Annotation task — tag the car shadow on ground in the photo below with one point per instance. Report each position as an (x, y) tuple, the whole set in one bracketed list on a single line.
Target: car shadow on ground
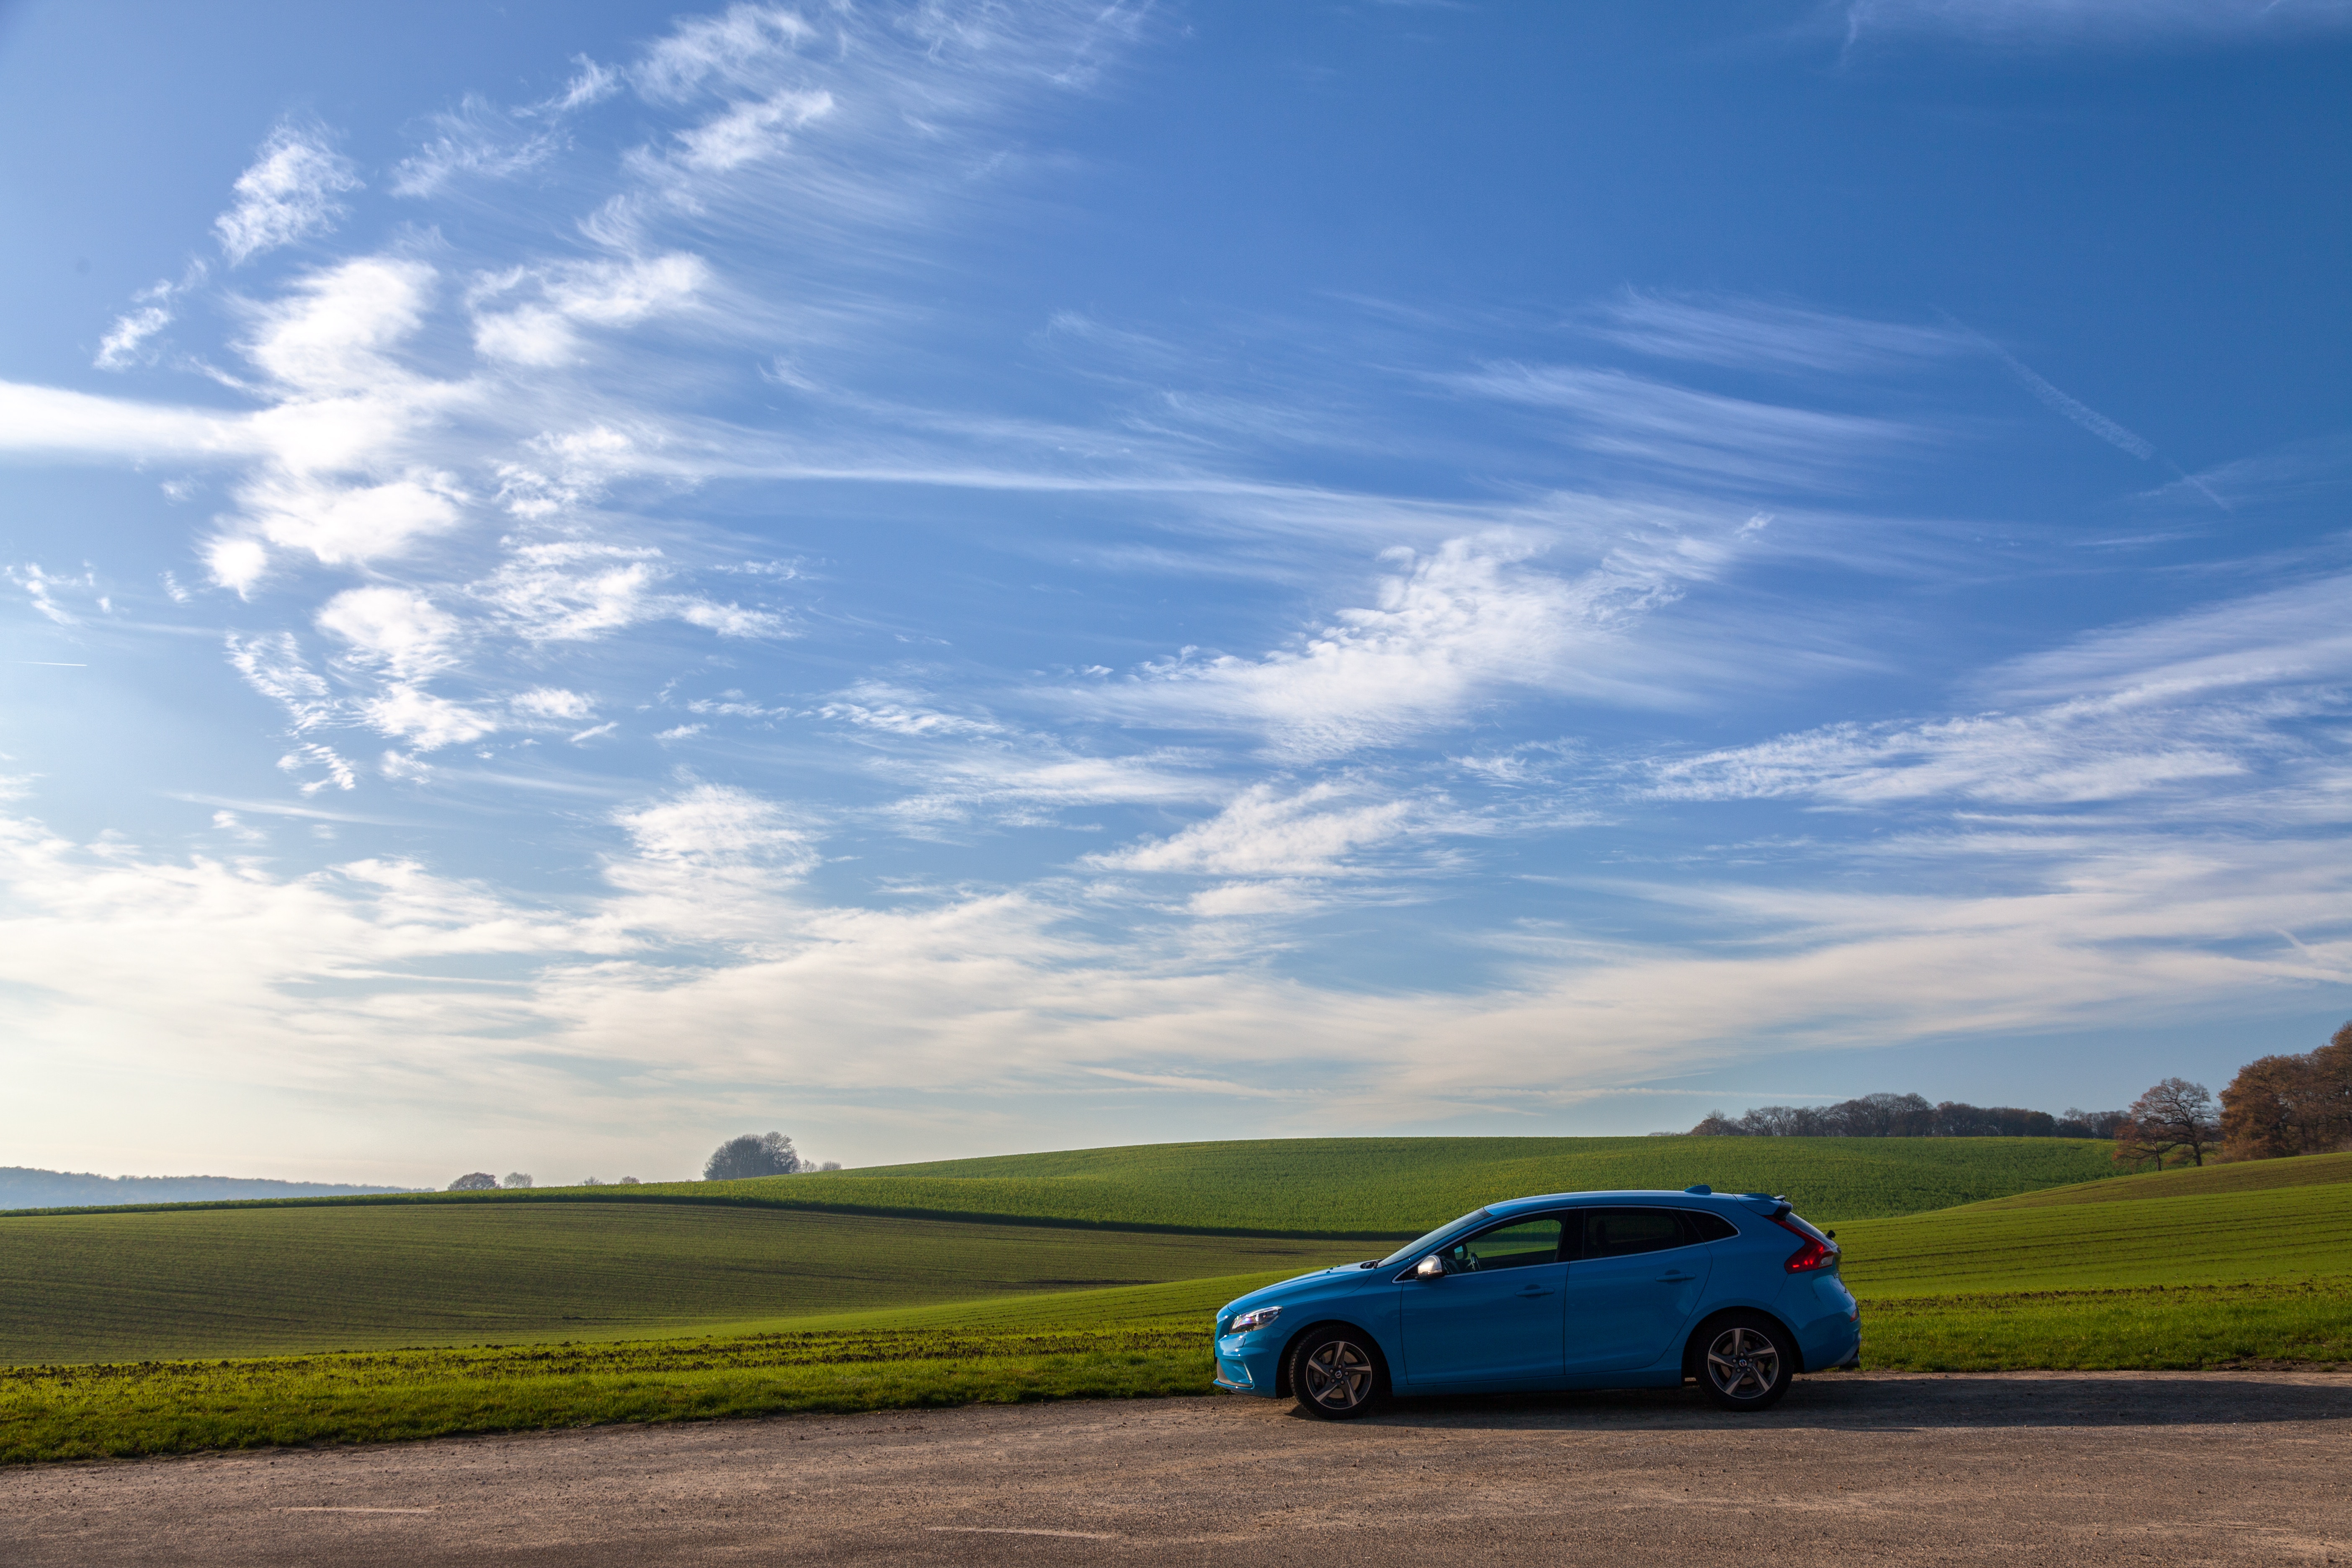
[(1846, 1402)]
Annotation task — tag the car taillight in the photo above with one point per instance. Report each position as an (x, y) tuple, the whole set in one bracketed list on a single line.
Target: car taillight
[(1816, 1254)]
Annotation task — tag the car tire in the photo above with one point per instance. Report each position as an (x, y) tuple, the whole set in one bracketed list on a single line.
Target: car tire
[(1745, 1362), (1335, 1374)]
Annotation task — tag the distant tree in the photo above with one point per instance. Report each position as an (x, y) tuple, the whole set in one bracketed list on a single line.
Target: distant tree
[(2076, 1122), (828, 1165), (473, 1182), (2173, 1116), (752, 1154), (2290, 1104), (1908, 1116), (517, 1179), (590, 1182), (1883, 1116), (630, 1182)]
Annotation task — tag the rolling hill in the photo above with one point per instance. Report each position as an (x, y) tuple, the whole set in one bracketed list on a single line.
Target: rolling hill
[(1371, 1189)]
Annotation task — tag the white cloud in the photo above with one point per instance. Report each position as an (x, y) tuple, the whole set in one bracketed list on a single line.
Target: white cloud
[(273, 665), (725, 50), (745, 131), (552, 703), (332, 330), (51, 421), (316, 754), (1311, 832), (341, 525), (529, 334), (125, 345), (1450, 630), (570, 591), (397, 629), (477, 140), (41, 588), (288, 194), (427, 721), (2220, 694), (2288, 637), (236, 563), (603, 294), (2070, 753), (714, 824), (1242, 900)]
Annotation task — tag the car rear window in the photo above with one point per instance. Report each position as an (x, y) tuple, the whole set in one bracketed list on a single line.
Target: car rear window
[(1705, 1226), (1621, 1233)]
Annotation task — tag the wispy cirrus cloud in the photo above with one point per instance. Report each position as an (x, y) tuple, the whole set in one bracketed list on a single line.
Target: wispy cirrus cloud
[(1464, 624), (1697, 436), (289, 194), (2236, 695), (1753, 333), (1320, 830)]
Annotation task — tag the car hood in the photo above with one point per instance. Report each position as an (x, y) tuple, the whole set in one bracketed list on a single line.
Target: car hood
[(1286, 1290)]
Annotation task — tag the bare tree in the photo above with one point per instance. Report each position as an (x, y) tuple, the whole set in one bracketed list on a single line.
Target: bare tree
[(517, 1179), (2173, 1116), (753, 1154), (473, 1182)]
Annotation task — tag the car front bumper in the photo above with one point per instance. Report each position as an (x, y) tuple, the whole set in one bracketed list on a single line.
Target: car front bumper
[(1248, 1364)]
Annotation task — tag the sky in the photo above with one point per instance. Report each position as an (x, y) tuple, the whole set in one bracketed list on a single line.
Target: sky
[(580, 579)]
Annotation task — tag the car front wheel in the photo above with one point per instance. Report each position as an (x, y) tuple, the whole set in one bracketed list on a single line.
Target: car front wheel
[(1746, 1363), (1335, 1374)]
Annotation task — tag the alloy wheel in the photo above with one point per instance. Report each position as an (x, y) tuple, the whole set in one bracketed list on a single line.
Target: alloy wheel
[(1337, 1374), (1743, 1363)]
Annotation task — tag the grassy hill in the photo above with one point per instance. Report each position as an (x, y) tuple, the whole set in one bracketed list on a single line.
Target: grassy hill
[(1400, 1187), (1368, 1189)]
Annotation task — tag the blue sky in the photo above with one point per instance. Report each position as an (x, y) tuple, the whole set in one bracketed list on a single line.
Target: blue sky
[(949, 579)]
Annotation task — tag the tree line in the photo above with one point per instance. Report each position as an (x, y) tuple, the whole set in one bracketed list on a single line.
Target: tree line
[(2277, 1105), (1908, 1116)]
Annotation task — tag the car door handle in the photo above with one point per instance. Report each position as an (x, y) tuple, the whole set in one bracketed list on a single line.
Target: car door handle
[(1530, 1293), (1677, 1278)]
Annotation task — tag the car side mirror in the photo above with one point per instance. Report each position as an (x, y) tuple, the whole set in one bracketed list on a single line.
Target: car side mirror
[(1429, 1268)]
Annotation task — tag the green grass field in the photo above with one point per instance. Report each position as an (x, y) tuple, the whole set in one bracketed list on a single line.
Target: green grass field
[(1368, 1189), (799, 1310), (259, 1281)]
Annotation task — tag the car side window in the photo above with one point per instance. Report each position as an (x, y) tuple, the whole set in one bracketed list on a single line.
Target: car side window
[(1514, 1246), (1619, 1233), (1709, 1226)]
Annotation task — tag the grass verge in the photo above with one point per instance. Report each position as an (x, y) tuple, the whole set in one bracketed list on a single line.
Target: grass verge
[(168, 1407), (2151, 1328)]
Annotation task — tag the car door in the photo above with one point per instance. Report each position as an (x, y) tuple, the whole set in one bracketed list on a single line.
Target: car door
[(1496, 1315), (1635, 1281)]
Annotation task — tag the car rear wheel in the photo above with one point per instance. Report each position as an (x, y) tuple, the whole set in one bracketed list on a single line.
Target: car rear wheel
[(1335, 1374), (1746, 1363)]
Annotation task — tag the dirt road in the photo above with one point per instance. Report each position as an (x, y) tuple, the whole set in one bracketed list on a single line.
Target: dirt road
[(2073, 1468)]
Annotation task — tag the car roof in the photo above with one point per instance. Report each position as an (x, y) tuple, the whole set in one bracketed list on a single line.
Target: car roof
[(1647, 1197)]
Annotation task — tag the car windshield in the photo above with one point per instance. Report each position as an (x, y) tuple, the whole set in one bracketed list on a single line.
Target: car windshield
[(1431, 1242)]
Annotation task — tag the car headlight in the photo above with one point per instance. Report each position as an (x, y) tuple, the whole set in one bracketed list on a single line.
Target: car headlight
[(1245, 1321)]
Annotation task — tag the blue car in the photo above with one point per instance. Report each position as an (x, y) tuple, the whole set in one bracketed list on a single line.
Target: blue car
[(1634, 1289)]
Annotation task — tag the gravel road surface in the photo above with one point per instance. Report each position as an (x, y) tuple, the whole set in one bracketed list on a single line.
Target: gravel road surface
[(2216, 1468)]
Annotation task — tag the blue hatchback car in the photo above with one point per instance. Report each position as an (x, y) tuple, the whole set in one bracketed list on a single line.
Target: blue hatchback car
[(1633, 1290)]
